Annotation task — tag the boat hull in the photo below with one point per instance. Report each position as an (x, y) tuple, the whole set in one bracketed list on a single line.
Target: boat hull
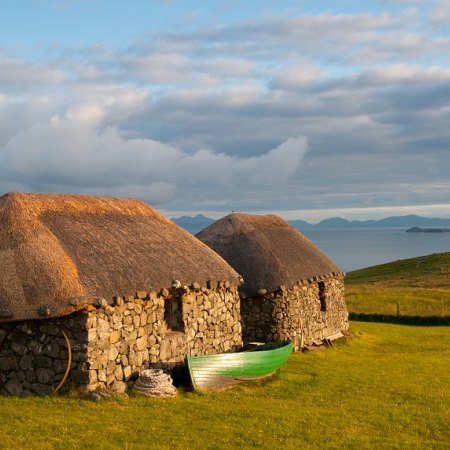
[(225, 370)]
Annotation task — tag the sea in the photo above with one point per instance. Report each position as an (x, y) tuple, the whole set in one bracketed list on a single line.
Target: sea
[(353, 249)]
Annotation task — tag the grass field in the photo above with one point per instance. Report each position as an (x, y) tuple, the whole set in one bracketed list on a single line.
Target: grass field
[(417, 286), (386, 387)]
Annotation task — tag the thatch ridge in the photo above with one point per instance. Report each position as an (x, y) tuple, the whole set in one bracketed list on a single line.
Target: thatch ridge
[(59, 252), (267, 251)]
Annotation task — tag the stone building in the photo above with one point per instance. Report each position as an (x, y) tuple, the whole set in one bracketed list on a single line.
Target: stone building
[(93, 290), (291, 289)]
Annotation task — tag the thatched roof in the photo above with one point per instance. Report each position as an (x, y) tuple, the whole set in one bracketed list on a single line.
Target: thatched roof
[(63, 251), (266, 251)]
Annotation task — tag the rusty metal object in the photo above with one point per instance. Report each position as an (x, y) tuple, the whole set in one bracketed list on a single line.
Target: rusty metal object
[(5, 337), (69, 364)]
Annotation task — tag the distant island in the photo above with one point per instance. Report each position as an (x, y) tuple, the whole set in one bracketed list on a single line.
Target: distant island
[(198, 222), (427, 230)]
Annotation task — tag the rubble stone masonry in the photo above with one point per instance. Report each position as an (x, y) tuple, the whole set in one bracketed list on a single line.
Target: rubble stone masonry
[(114, 341), (311, 310)]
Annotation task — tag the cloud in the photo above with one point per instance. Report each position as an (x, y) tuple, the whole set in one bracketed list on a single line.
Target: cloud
[(77, 152), (272, 168), (441, 13), (21, 76), (271, 111)]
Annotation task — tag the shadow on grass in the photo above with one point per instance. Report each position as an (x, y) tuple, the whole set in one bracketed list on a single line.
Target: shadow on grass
[(404, 320)]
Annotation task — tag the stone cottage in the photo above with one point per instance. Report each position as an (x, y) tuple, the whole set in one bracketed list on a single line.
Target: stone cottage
[(93, 290), (291, 289)]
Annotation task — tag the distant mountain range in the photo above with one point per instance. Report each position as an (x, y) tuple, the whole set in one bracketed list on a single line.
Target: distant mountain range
[(389, 222), (197, 223), (193, 224)]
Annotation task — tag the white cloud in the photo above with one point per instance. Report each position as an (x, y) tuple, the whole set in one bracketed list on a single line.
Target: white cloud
[(299, 77), (441, 13), (404, 74), (74, 151), (275, 167), (20, 75), (216, 115), (232, 67)]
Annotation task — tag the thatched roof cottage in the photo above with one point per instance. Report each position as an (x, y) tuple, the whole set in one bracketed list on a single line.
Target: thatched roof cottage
[(291, 289), (127, 286)]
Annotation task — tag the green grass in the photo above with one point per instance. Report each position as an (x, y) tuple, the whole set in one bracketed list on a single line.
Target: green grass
[(419, 286), (386, 387)]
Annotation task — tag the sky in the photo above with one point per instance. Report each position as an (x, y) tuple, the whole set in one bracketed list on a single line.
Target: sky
[(306, 109)]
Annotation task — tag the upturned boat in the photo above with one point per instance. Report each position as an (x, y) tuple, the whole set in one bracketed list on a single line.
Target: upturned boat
[(225, 370)]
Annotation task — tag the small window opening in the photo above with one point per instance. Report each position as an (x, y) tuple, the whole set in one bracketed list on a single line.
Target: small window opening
[(172, 314), (322, 296)]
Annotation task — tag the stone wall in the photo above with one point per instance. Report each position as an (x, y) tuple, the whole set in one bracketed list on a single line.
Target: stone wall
[(312, 309), (34, 355), (112, 343)]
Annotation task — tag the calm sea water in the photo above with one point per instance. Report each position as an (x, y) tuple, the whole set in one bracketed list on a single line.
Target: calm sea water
[(354, 249)]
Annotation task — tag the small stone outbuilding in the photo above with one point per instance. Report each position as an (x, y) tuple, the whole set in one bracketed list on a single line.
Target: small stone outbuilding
[(291, 289), (126, 286)]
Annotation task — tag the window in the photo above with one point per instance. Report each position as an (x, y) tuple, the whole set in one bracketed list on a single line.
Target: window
[(322, 296), (172, 313)]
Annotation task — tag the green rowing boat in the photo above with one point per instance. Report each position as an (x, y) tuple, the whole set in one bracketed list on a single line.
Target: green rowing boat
[(223, 371)]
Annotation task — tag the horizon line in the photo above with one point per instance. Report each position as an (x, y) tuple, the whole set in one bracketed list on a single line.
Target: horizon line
[(435, 211)]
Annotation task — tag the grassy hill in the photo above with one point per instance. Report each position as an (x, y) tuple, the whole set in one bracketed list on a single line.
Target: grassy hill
[(414, 287), (432, 271)]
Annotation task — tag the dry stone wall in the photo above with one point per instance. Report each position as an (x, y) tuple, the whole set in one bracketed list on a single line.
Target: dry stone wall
[(112, 343), (34, 354), (311, 310)]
